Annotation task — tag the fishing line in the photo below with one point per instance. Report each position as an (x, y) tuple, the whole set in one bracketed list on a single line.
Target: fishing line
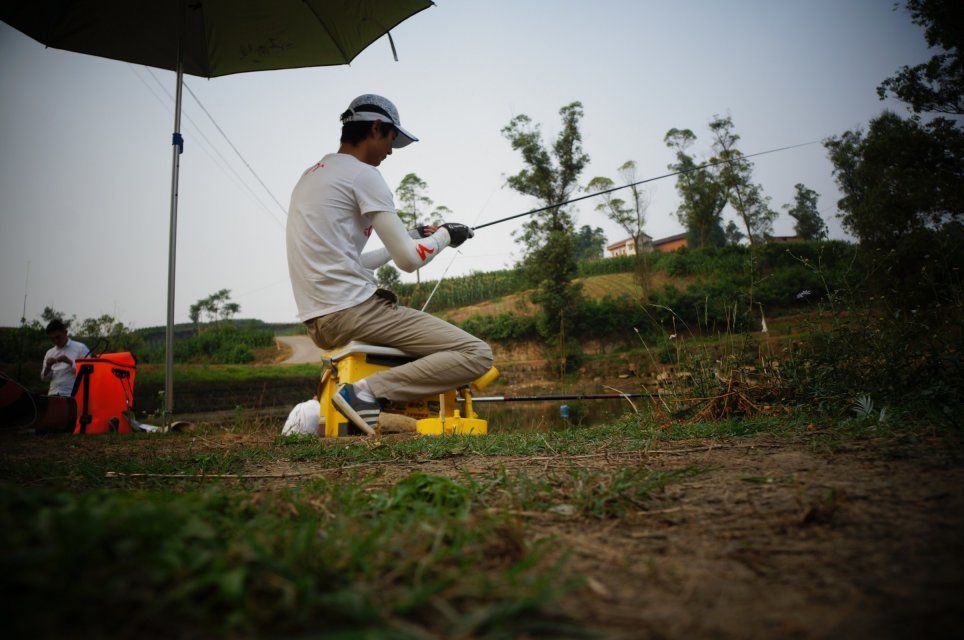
[(457, 253), (633, 184)]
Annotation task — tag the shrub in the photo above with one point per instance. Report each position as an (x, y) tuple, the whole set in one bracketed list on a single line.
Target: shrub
[(221, 344), (504, 327), (879, 350)]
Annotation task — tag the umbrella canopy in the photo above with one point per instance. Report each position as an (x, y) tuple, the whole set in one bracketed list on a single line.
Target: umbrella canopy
[(218, 37), (208, 38)]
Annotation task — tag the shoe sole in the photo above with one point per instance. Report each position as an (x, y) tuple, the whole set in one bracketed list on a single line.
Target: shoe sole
[(350, 413)]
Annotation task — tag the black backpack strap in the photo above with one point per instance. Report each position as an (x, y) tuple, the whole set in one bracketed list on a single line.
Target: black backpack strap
[(125, 382), (83, 378)]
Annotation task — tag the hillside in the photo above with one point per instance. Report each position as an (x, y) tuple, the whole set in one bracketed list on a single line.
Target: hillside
[(703, 291), (593, 287)]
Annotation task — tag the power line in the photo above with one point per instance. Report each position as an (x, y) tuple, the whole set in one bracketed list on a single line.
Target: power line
[(220, 155), (221, 131), (239, 181), (263, 287)]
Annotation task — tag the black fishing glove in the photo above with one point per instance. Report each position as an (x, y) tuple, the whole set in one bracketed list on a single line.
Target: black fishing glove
[(459, 233)]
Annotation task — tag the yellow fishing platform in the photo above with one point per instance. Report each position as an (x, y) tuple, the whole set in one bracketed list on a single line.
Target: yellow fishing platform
[(435, 416)]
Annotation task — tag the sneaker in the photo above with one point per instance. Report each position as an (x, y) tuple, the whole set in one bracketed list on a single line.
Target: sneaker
[(363, 414)]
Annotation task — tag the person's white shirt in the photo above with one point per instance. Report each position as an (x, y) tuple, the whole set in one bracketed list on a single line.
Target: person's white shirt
[(61, 374), (334, 208), (328, 226)]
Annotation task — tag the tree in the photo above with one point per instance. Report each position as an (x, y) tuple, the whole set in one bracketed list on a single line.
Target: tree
[(736, 177), (903, 181), (732, 234), (102, 327), (590, 243), (217, 307), (630, 216), (194, 313), (414, 209), (702, 196), (49, 314), (903, 198), (439, 215), (808, 224), (116, 335), (388, 277), (899, 178), (550, 175), (938, 84), (413, 203)]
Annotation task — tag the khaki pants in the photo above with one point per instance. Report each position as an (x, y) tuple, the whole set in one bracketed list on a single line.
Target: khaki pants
[(447, 356)]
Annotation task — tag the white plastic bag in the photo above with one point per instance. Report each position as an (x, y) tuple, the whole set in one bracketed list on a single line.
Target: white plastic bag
[(303, 419)]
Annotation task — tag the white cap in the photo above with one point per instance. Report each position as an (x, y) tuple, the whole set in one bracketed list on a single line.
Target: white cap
[(371, 107)]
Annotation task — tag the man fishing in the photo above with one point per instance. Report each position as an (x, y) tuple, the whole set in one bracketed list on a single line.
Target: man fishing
[(334, 208)]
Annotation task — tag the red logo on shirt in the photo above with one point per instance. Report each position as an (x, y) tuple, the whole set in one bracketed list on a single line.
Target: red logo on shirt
[(423, 251)]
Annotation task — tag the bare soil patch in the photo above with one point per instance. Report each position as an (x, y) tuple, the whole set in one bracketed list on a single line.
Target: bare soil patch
[(781, 542)]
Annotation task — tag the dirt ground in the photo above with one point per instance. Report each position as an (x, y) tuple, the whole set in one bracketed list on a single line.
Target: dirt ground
[(775, 538), (781, 541)]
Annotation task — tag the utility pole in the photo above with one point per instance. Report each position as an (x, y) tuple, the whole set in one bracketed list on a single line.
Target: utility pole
[(23, 325)]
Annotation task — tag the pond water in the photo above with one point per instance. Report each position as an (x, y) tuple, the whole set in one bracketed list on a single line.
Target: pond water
[(546, 415)]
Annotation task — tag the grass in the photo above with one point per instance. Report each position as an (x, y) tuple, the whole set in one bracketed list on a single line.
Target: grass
[(67, 464), (357, 555), (372, 550), (386, 563)]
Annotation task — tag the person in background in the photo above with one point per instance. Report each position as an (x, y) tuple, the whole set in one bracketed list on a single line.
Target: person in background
[(59, 359)]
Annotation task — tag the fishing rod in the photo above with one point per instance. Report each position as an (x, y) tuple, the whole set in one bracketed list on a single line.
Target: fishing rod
[(565, 396), (633, 184)]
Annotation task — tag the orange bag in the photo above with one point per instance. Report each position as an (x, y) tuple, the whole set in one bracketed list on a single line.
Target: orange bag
[(104, 390)]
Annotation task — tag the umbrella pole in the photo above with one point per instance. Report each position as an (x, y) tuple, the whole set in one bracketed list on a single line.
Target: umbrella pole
[(178, 148)]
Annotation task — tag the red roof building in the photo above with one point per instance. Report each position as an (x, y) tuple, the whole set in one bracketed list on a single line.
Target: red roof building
[(628, 248), (670, 243)]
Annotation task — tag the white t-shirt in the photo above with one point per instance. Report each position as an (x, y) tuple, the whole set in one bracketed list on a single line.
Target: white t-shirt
[(328, 226), (61, 375)]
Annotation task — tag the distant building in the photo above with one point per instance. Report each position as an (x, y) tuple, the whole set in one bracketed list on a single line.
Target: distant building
[(628, 248), (670, 243)]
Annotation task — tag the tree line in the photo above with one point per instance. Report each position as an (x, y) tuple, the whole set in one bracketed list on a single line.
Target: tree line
[(901, 182)]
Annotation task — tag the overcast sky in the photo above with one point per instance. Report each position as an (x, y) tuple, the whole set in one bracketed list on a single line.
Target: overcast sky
[(85, 176)]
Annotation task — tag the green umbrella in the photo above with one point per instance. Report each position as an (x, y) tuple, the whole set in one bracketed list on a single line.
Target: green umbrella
[(208, 38)]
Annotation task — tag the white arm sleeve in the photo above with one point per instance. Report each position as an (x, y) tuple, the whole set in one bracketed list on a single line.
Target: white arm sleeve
[(407, 253), (378, 257)]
